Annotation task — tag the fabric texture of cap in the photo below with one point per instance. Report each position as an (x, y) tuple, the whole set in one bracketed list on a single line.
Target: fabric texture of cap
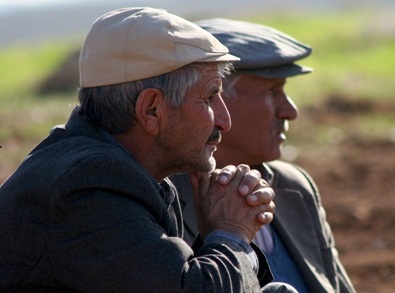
[(130, 44), (263, 51)]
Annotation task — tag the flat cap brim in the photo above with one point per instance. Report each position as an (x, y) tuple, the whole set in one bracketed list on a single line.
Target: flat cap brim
[(287, 70)]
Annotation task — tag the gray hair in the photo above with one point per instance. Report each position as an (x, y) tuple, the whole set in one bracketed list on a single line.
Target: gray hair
[(113, 106), (228, 84)]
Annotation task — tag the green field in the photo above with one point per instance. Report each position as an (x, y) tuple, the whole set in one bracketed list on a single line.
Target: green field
[(353, 58)]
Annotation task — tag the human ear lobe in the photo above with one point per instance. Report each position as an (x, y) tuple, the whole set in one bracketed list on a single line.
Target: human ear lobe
[(148, 109)]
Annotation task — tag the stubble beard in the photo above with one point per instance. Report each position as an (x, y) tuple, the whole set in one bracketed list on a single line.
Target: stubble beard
[(206, 165), (201, 163), (195, 157), (185, 159)]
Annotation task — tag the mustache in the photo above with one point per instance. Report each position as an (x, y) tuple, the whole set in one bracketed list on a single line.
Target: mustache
[(215, 135)]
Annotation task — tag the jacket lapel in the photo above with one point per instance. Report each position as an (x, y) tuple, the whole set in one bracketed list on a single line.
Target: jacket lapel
[(181, 182), (190, 223), (299, 236)]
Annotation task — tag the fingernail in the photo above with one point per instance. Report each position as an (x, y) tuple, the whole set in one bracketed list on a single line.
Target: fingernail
[(253, 197), (244, 189), (223, 179)]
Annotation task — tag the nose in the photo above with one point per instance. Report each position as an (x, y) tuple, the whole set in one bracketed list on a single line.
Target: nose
[(221, 115), (287, 109)]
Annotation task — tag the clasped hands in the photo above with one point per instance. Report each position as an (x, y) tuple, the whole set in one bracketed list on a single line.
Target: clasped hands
[(232, 199)]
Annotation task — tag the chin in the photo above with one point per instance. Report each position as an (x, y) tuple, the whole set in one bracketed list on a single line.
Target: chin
[(204, 165), (208, 166), (268, 157)]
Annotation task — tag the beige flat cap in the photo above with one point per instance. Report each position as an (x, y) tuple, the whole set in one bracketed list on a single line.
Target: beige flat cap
[(130, 44)]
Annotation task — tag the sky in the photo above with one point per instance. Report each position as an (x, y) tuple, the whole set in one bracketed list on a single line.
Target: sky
[(7, 4), (32, 21), (27, 21), (35, 3), (30, 2)]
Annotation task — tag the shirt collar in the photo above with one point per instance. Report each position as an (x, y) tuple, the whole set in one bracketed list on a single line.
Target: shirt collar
[(266, 173)]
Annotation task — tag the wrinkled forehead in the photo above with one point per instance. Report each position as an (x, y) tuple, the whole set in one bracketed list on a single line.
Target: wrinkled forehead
[(209, 82)]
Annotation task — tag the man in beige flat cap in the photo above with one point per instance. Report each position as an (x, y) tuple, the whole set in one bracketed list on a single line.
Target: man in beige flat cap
[(90, 208)]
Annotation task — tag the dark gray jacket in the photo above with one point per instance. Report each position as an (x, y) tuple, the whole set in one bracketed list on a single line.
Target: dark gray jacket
[(82, 215)]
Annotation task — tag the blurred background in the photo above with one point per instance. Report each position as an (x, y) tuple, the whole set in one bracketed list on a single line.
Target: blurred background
[(345, 133)]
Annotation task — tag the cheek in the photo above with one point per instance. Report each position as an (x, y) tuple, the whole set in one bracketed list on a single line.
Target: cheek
[(253, 124), (251, 114), (202, 123)]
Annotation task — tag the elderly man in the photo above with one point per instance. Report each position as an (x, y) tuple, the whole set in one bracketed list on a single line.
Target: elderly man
[(90, 208), (299, 243)]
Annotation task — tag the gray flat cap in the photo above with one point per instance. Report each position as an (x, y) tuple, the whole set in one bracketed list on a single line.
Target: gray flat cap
[(263, 51)]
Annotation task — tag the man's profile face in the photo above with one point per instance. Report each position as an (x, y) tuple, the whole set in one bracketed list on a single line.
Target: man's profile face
[(260, 111), (194, 130)]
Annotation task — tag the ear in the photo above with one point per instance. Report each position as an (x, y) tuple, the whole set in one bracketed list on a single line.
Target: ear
[(149, 110)]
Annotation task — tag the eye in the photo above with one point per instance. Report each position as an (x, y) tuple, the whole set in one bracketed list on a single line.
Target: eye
[(274, 91), (210, 98)]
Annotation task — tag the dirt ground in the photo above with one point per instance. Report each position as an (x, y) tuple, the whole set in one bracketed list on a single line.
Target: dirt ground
[(357, 183)]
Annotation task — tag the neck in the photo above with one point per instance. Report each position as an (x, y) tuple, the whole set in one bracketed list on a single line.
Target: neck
[(224, 157), (144, 151)]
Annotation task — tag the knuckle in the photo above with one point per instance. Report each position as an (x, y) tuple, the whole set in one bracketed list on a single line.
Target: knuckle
[(229, 168), (256, 173), (263, 182), (243, 167)]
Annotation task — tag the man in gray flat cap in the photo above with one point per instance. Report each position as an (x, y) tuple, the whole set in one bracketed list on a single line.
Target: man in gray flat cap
[(298, 243), (90, 208)]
